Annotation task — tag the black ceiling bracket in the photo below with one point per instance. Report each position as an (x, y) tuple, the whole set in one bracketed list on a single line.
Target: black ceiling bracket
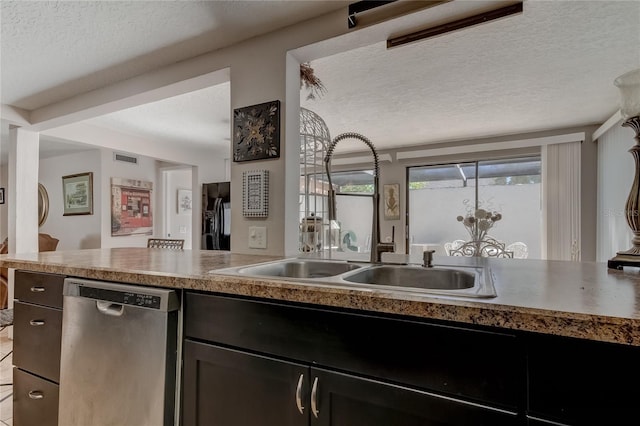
[(362, 6)]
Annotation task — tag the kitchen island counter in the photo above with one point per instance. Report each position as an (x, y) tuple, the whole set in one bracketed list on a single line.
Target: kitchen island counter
[(574, 299)]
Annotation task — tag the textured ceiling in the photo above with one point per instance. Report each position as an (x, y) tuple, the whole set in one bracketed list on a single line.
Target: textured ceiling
[(52, 50), (551, 67)]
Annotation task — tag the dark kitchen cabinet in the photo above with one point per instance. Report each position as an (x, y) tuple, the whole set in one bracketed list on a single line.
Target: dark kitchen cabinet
[(289, 363), (582, 382), (35, 400), (339, 399), (225, 387), (36, 348)]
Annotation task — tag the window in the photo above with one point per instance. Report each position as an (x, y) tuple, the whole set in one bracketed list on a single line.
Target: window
[(354, 205), (439, 194)]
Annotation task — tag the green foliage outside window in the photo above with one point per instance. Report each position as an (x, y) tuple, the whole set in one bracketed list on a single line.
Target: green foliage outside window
[(356, 189), (517, 180)]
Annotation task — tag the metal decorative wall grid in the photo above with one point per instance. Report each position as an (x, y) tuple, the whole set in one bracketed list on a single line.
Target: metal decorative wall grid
[(256, 132), (255, 193)]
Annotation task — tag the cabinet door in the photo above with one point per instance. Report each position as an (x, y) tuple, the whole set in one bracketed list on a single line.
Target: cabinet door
[(343, 400), (224, 387), (581, 382)]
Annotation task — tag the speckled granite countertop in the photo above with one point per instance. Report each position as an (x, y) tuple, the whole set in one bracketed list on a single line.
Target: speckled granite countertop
[(584, 300)]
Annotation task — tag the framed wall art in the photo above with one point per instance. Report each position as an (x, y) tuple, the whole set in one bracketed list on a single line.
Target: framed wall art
[(1, 195), (77, 194), (391, 201), (256, 132), (255, 193), (184, 201), (131, 203)]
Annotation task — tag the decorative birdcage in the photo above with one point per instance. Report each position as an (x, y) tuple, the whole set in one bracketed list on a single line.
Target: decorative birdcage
[(314, 140)]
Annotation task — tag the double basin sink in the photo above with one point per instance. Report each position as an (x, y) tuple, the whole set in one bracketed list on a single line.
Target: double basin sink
[(462, 281)]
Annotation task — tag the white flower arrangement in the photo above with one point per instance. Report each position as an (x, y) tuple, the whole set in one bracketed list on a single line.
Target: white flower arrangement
[(479, 223)]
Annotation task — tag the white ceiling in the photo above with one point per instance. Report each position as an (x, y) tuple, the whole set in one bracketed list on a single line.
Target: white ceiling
[(53, 50), (551, 67)]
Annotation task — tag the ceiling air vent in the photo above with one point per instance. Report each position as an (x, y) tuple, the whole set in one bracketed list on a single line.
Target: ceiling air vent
[(125, 158)]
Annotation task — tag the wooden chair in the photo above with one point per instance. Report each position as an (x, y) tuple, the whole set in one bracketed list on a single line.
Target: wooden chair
[(165, 243)]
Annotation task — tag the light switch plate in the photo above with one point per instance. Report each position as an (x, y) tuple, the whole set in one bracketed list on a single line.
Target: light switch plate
[(258, 237)]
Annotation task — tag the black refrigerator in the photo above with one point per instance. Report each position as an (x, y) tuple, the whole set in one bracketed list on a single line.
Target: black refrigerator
[(216, 216)]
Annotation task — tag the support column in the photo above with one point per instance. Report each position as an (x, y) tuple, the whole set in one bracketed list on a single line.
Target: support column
[(22, 197), (292, 156)]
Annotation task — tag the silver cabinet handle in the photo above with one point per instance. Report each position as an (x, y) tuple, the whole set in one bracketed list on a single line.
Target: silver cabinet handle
[(37, 289), (35, 394), (299, 394), (36, 322), (314, 398)]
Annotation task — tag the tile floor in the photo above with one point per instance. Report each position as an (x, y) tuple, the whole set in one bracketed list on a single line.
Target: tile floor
[(6, 400)]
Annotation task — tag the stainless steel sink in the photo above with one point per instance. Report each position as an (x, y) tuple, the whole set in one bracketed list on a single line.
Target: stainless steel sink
[(299, 268), (415, 277), (459, 281)]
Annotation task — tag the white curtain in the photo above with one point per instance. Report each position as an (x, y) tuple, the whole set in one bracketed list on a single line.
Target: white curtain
[(561, 201), (616, 169)]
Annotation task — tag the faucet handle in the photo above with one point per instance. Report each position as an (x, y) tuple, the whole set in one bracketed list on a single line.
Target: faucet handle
[(383, 248), (427, 258)]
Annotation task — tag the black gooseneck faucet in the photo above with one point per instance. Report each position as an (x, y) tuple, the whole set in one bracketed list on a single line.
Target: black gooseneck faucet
[(377, 247)]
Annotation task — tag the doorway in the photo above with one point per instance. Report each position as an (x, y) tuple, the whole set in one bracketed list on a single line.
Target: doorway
[(178, 204)]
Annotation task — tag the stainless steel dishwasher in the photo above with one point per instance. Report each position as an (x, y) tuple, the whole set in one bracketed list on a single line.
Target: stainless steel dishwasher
[(118, 359)]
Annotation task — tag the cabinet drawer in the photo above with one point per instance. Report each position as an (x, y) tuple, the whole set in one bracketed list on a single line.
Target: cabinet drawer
[(580, 382), (481, 366), (36, 345), (39, 288), (35, 400)]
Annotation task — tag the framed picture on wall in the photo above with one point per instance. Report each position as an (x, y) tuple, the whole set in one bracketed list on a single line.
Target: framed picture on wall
[(1, 195), (77, 194), (391, 201), (185, 200), (131, 202), (256, 132)]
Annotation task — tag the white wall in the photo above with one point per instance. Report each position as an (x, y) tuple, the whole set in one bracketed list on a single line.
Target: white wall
[(74, 232), (86, 231), (178, 225), (615, 176), (91, 231)]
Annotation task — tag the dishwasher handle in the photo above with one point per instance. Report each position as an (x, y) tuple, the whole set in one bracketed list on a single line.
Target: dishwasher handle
[(110, 308)]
